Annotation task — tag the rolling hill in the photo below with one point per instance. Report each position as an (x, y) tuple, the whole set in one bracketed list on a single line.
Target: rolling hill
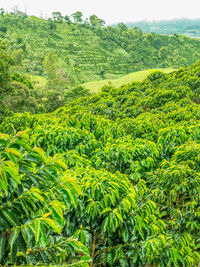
[(86, 52), (95, 86)]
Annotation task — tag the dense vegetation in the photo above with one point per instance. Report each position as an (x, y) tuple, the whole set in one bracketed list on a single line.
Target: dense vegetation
[(138, 76), (112, 179), (43, 62), (107, 179), (88, 50), (189, 27), (20, 93)]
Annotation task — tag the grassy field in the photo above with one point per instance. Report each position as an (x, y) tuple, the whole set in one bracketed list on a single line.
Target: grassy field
[(95, 86)]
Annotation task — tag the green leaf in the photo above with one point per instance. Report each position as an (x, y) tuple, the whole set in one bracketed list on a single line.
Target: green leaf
[(57, 211), (14, 152), (39, 153), (36, 193), (13, 237), (37, 230), (53, 224), (2, 247), (110, 259), (27, 234), (119, 216), (3, 181), (43, 238), (13, 171), (79, 247), (106, 210), (11, 217)]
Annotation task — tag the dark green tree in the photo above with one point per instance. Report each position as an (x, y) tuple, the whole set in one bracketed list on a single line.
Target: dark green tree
[(122, 27), (2, 11), (57, 16), (51, 24), (77, 16), (96, 22), (67, 19)]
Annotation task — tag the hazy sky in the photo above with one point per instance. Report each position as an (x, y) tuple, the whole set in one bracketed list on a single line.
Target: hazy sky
[(111, 10)]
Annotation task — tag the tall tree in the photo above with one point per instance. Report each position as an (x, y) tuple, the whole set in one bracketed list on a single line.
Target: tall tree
[(96, 22), (67, 19), (57, 16), (77, 16)]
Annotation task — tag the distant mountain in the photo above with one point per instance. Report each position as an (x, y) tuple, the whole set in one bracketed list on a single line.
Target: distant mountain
[(189, 27)]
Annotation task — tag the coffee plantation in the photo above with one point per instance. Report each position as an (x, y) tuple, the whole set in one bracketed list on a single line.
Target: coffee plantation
[(108, 180)]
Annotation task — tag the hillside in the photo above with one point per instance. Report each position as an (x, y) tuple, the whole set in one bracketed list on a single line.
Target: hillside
[(189, 27), (108, 180), (85, 51), (95, 86)]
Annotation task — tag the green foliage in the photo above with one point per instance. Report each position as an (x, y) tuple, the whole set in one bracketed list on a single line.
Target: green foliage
[(4, 68), (110, 179), (87, 49), (17, 94), (76, 92), (35, 193), (96, 22), (95, 86), (77, 16)]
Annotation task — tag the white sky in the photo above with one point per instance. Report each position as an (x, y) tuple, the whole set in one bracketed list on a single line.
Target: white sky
[(111, 10)]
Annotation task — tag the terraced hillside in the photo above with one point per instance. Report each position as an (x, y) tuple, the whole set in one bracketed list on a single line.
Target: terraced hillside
[(88, 53)]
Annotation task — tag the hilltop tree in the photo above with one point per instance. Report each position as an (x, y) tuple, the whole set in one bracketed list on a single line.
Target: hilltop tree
[(77, 16), (122, 27), (2, 11), (57, 16), (67, 19), (96, 22)]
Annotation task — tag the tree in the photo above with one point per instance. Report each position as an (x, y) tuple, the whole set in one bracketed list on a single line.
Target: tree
[(122, 27), (51, 24), (163, 52), (76, 92), (3, 29), (5, 62), (67, 19), (2, 11), (57, 82), (77, 16), (57, 16), (96, 22)]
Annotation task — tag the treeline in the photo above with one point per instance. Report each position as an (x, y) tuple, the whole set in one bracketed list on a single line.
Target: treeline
[(76, 17)]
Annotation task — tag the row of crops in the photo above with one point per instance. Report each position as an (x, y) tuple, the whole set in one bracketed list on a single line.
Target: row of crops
[(108, 180)]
